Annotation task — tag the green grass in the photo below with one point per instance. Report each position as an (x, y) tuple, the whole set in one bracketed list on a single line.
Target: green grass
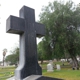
[(65, 73), (6, 72)]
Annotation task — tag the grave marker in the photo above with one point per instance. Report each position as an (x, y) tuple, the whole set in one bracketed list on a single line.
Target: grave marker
[(50, 66), (58, 67), (28, 29)]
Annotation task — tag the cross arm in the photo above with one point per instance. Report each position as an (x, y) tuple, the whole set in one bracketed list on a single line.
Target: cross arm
[(40, 29), (15, 25)]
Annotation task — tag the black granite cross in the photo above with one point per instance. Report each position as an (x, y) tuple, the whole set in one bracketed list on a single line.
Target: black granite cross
[(28, 29)]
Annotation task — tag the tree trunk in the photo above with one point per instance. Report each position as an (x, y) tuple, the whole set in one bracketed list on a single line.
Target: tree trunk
[(75, 63), (42, 61), (3, 60)]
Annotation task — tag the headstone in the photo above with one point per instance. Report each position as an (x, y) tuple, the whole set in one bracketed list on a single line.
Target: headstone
[(58, 67), (50, 66), (51, 62), (28, 29), (55, 60)]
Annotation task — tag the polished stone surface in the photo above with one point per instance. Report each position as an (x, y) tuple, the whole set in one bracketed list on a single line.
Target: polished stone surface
[(48, 78), (36, 77), (39, 77), (32, 77), (28, 30)]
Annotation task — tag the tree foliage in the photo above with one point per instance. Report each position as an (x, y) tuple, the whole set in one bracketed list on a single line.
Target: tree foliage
[(62, 21), (14, 57)]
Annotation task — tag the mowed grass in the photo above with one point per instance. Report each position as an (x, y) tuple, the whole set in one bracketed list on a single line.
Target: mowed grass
[(6, 72), (65, 73)]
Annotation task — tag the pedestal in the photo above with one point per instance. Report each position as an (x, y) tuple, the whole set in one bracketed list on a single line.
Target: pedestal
[(36, 77)]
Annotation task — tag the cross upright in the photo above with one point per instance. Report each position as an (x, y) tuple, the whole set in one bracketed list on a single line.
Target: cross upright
[(28, 29)]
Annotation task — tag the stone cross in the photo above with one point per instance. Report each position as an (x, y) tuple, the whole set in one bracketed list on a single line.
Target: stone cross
[(28, 29)]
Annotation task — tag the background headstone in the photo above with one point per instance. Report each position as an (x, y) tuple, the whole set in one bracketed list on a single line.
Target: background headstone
[(50, 66), (51, 62), (58, 67)]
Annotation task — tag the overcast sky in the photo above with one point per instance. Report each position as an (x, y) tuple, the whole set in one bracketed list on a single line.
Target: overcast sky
[(12, 7)]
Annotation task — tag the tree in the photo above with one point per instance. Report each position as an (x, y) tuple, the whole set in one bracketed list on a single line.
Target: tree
[(40, 52), (14, 57), (4, 53), (62, 23)]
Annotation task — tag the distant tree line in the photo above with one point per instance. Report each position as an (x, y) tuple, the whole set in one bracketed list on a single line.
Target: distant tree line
[(13, 58)]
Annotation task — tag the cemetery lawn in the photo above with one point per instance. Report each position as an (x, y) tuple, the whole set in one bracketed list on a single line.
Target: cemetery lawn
[(6, 72), (64, 73)]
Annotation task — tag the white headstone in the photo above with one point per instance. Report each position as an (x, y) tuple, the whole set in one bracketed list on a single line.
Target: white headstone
[(50, 67), (51, 62), (58, 67)]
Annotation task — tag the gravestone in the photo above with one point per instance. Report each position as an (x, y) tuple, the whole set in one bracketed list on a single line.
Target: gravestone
[(51, 62), (58, 67), (28, 29), (50, 66)]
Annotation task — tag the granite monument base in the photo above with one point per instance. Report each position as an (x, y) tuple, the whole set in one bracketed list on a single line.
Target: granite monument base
[(36, 77)]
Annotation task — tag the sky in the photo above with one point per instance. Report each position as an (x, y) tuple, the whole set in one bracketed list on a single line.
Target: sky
[(12, 7)]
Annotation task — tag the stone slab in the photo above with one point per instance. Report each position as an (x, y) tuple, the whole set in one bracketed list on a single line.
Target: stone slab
[(32, 77), (47, 78), (36, 77), (12, 78)]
